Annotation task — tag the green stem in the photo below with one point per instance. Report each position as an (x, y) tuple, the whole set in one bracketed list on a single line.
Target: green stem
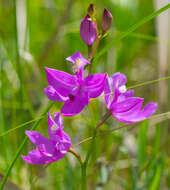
[(84, 166), (22, 145), (130, 30), (83, 176)]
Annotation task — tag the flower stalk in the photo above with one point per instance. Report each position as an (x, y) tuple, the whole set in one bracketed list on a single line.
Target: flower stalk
[(76, 154), (94, 51), (84, 167)]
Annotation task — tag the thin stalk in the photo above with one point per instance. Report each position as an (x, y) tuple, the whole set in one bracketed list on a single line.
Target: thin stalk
[(18, 152), (97, 44), (84, 167), (83, 176), (93, 53), (83, 170), (77, 155), (89, 52)]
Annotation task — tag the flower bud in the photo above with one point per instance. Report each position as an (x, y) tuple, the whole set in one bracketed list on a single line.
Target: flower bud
[(88, 31), (90, 9), (106, 20)]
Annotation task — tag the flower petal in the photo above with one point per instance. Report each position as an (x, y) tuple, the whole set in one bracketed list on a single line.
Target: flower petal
[(55, 125), (62, 82), (136, 114), (125, 95), (118, 80), (52, 94), (36, 138), (95, 84), (108, 92), (36, 157), (79, 62), (126, 104), (78, 57), (75, 106), (51, 124), (58, 119)]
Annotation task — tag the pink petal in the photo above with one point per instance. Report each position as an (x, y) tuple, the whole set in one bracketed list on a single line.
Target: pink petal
[(35, 157), (36, 138), (58, 119), (51, 123), (95, 84), (75, 106), (77, 56), (136, 114), (52, 94), (125, 95), (126, 104), (62, 82), (108, 92), (118, 80)]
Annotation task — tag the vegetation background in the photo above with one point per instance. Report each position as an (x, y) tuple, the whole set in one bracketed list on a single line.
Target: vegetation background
[(39, 33)]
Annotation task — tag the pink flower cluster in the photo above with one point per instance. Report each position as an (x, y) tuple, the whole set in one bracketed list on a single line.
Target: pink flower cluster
[(76, 90)]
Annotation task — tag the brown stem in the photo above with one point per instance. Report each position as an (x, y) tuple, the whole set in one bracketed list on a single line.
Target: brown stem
[(95, 47), (94, 50), (76, 154), (104, 118)]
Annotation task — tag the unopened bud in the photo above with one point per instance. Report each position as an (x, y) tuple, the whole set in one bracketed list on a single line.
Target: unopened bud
[(88, 31), (90, 9), (106, 20)]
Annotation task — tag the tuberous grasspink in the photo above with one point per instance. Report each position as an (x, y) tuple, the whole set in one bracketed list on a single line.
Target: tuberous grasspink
[(75, 90)]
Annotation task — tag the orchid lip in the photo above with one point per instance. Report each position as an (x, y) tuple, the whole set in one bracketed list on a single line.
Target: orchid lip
[(71, 96)]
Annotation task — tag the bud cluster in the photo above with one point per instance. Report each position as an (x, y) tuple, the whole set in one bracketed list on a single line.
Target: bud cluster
[(89, 28)]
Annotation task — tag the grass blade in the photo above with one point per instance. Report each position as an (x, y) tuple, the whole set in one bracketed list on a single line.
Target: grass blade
[(22, 145), (142, 143), (130, 30)]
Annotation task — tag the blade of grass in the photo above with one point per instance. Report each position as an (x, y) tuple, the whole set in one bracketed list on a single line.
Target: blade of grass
[(18, 56), (19, 126), (130, 30), (155, 183), (2, 113), (142, 143), (140, 36), (22, 145)]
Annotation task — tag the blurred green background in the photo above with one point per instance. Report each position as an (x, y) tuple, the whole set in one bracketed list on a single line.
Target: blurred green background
[(39, 33)]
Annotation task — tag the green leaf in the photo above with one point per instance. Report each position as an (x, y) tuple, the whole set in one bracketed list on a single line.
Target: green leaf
[(130, 30), (142, 143)]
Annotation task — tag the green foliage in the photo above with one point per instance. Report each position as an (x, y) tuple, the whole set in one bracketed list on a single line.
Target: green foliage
[(45, 36)]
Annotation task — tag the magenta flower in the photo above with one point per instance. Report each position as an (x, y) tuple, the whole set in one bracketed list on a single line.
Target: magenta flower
[(52, 149), (122, 104), (74, 90), (88, 31)]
